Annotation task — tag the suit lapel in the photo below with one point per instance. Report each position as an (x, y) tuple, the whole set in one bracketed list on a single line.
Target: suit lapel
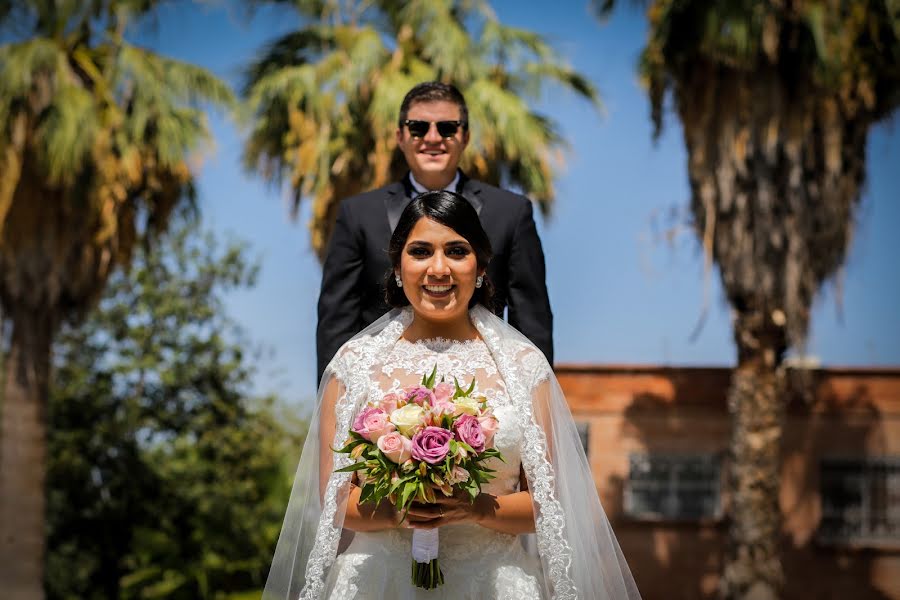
[(471, 191), (396, 200)]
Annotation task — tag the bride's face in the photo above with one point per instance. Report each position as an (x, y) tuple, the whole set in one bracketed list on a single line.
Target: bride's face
[(438, 268)]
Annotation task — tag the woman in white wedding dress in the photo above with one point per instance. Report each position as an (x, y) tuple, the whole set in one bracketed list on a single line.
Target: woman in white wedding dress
[(542, 496)]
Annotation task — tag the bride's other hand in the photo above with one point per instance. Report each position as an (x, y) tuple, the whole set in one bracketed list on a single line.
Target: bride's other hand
[(450, 510), (508, 513)]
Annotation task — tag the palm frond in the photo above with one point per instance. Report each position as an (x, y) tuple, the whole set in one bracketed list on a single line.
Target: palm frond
[(22, 63), (292, 49), (65, 134), (178, 81)]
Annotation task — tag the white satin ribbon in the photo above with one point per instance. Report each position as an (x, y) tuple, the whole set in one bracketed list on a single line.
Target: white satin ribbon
[(424, 545)]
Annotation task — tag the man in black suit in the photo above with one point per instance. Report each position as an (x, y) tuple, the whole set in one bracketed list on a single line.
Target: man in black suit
[(432, 135)]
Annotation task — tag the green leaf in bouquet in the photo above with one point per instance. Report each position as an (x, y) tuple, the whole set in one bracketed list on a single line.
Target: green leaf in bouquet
[(405, 492), (489, 453), (421, 492), (409, 488), (467, 448), (386, 464), (458, 392), (351, 468), (471, 387), (366, 493), (396, 485), (473, 489), (379, 492), (353, 443), (428, 380)]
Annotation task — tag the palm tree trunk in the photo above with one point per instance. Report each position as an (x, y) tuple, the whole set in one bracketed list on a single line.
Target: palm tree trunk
[(23, 455), (753, 565)]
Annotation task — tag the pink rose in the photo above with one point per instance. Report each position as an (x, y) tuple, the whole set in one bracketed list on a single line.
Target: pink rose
[(443, 391), (419, 395), (468, 430), (489, 426), (390, 403), (372, 423), (443, 407), (395, 447), (431, 444)]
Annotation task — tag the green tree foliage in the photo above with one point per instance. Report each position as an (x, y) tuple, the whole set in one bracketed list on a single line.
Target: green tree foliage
[(96, 135), (166, 478), (323, 101), (776, 99)]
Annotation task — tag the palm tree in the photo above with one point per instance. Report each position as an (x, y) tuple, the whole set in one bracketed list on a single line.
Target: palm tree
[(323, 100), (776, 98), (94, 141)]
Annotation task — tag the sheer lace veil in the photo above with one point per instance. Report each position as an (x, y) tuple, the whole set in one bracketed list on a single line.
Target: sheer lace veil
[(578, 551)]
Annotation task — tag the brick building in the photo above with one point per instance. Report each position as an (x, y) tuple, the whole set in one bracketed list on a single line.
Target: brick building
[(656, 440)]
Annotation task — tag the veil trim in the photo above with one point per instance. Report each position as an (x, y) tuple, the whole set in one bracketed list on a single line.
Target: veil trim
[(549, 521), (351, 366)]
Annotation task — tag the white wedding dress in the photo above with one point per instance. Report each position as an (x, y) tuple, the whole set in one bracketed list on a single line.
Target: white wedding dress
[(477, 562), (573, 554)]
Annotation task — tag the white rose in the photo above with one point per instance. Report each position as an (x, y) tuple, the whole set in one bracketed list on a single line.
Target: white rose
[(408, 418), (468, 406)]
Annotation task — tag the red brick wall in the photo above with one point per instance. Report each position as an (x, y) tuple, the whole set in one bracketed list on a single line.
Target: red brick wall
[(834, 412)]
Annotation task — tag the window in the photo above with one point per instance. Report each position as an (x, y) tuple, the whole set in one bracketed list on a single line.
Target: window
[(860, 501), (583, 428), (679, 487)]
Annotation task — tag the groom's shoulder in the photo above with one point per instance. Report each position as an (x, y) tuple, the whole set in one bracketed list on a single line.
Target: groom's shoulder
[(372, 200), (499, 196)]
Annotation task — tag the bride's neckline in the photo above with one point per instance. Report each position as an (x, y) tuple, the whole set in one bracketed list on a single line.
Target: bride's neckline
[(442, 342)]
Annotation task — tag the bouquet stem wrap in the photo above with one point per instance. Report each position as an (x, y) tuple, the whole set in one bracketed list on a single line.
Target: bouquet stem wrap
[(424, 545), (426, 572)]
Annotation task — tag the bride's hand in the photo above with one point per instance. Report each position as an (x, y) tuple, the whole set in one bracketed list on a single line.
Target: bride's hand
[(376, 518), (449, 510)]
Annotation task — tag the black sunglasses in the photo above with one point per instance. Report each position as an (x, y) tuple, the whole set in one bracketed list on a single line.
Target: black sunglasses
[(445, 129)]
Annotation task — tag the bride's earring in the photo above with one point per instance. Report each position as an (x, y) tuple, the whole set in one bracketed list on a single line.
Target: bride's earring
[(398, 280), (479, 280)]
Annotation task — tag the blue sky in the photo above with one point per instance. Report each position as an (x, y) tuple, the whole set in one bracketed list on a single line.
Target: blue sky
[(619, 291)]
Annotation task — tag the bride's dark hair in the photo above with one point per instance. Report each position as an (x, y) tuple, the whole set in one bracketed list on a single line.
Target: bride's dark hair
[(453, 211)]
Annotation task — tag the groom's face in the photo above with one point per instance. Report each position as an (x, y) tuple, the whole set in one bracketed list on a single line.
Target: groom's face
[(433, 158)]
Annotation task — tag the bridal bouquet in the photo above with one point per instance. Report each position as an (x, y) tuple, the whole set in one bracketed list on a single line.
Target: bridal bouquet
[(431, 438)]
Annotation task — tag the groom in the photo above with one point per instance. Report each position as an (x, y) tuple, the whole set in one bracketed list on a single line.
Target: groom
[(432, 134)]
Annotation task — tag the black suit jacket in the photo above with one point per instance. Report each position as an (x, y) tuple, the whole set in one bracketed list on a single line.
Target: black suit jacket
[(356, 262)]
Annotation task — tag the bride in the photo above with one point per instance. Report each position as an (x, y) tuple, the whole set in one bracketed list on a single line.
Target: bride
[(542, 497)]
